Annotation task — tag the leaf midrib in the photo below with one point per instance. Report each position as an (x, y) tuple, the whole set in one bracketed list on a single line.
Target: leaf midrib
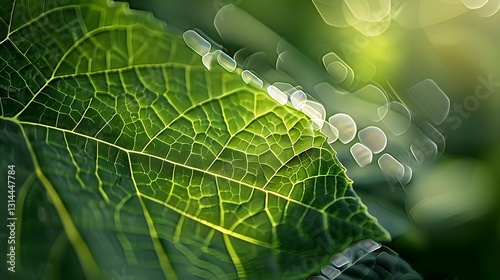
[(179, 164)]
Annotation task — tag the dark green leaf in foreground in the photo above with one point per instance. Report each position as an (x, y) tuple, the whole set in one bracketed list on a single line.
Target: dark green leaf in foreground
[(133, 159)]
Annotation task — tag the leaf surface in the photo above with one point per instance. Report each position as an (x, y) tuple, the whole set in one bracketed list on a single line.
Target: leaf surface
[(133, 159)]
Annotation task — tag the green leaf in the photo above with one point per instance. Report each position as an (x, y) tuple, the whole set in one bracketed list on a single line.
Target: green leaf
[(132, 158)]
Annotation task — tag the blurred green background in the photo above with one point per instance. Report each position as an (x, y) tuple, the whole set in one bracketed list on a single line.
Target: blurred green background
[(456, 43)]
